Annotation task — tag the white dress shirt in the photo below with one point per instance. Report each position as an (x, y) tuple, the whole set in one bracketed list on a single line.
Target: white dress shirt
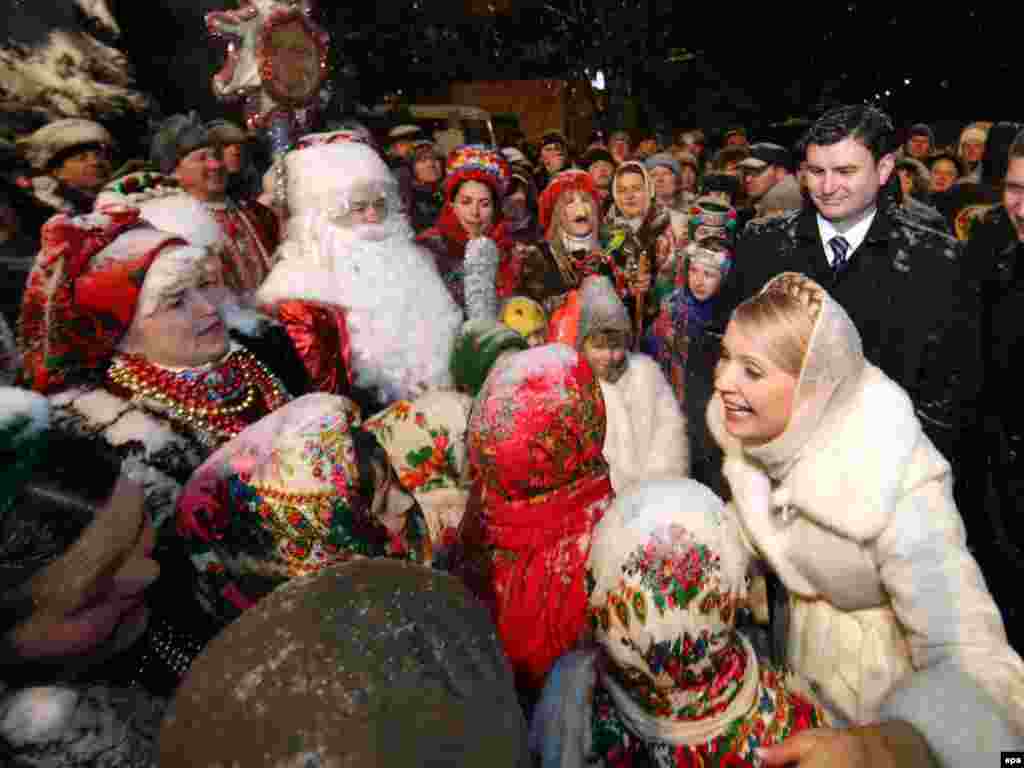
[(854, 235)]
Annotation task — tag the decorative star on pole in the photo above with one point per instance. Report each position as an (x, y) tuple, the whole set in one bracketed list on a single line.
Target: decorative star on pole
[(277, 65)]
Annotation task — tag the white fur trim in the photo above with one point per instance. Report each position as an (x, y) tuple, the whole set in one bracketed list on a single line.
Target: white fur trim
[(38, 715), (645, 437)]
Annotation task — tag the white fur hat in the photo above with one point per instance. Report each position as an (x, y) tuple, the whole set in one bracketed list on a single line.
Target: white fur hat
[(322, 177), (184, 216), (44, 145)]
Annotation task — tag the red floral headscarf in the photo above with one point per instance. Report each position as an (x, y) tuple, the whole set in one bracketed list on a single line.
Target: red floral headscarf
[(76, 308), (535, 445)]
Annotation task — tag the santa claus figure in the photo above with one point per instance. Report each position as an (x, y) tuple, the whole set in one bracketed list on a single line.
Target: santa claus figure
[(363, 304)]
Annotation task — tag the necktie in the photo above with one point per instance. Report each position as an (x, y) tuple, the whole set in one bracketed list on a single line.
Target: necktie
[(841, 251)]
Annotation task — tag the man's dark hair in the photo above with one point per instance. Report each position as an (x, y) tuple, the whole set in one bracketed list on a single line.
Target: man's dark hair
[(868, 125)]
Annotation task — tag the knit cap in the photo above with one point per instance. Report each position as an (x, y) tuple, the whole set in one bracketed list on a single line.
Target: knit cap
[(478, 348), (601, 309)]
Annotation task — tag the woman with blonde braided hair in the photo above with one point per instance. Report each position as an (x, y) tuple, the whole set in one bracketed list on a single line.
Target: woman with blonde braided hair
[(839, 491)]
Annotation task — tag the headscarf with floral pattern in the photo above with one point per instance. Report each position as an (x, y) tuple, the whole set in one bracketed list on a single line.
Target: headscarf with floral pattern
[(666, 570), (281, 500), (535, 446), (426, 441)]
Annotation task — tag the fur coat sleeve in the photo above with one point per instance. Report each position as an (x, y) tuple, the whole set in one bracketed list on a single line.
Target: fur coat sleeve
[(646, 432), (888, 609)]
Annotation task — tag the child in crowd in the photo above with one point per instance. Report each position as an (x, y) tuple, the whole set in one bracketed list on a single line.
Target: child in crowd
[(685, 312)]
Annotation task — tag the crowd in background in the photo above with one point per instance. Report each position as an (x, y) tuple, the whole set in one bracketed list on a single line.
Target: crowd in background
[(623, 454)]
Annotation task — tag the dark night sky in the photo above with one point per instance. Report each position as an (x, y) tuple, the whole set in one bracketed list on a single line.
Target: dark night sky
[(756, 66)]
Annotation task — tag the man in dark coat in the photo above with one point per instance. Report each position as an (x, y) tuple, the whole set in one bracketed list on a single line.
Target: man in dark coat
[(901, 282), (996, 251)]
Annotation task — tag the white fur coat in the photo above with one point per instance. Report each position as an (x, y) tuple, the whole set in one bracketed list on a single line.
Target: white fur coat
[(646, 432), (863, 531)]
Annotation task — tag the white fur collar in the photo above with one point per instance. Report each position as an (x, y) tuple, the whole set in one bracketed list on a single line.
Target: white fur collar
[(850, 473), (288, 280)]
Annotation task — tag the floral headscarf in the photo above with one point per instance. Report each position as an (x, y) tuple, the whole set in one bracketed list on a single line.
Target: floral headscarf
[(535, 445), (666, 570), (81, 295), (426, 441), (280, 500)]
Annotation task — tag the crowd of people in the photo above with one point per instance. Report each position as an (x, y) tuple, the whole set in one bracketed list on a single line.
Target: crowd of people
[(534, 455)]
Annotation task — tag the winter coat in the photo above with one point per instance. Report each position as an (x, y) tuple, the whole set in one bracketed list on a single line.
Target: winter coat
[(866, 538), (995, 252), (927, 215), (906, 292), (645, 435)]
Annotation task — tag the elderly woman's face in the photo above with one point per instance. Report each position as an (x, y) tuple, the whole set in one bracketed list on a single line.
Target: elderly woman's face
[(178, 322)]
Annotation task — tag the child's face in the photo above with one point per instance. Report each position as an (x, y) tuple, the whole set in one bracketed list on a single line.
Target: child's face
[(704, 281)]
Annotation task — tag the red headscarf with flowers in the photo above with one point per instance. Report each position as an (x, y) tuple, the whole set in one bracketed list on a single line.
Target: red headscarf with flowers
[(535, 446), (76, 308)]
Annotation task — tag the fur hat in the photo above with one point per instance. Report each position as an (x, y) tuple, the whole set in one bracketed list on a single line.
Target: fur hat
[(340, 136), (515, 157), (175, 137), (184, 216), (601, 309), (54, 142), (406, 132), (573, 179), (476, 162), (321, 177)]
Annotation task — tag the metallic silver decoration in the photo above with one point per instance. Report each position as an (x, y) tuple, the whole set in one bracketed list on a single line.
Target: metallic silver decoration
[(480, 277)]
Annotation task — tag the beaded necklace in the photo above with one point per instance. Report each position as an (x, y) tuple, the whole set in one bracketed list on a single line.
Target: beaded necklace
[(222, 399)]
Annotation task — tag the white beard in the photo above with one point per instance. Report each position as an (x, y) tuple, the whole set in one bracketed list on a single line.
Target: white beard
[(402, 320)]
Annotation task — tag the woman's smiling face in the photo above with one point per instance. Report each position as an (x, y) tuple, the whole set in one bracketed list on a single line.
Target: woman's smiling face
[(757, 395)]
